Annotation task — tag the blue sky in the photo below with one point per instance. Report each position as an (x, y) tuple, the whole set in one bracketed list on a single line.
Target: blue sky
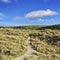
[(29, 12)]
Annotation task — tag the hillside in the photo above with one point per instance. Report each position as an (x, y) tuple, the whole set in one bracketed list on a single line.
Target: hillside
[(31, 27), (56, 27), (38, 27), (34, 27), (45, 42)]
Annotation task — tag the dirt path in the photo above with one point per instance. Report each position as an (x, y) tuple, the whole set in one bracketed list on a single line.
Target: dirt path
[(28, 53)]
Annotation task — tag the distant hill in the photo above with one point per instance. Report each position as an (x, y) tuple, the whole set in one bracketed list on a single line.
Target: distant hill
[(51, 27), (36, 27), (31, 27)]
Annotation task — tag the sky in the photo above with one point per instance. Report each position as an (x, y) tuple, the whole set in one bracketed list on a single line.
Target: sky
[(29, 12)]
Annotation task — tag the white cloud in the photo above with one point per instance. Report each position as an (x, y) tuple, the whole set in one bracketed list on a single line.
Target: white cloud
[(1, 15), (8, 1), (17, 18), (40, 20), (40, 13), (45, 20)]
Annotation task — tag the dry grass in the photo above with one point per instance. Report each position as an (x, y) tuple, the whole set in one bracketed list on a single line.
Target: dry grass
[(45, 42)]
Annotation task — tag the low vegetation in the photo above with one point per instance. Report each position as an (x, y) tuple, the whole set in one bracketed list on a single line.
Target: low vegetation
[(12, 43), (46, 42)]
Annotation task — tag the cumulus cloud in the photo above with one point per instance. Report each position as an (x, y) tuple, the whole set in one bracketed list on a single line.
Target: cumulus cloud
[(40, 13)]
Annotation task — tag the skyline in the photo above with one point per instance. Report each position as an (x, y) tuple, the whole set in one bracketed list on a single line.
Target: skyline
[(29, 12)]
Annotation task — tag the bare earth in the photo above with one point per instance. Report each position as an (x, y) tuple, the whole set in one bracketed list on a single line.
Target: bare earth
[(28, 53)]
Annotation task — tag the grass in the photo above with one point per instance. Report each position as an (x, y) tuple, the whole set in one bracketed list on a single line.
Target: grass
[(12, 42), (46, 43)]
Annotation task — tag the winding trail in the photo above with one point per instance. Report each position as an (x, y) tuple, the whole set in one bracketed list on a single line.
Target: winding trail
[(29, 51)]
